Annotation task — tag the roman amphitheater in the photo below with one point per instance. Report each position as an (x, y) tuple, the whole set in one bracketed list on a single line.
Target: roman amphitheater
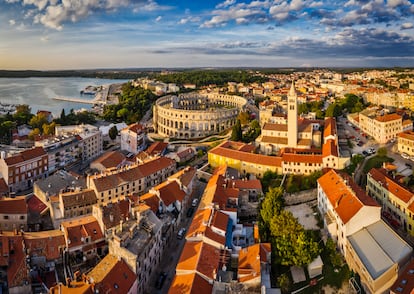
[(195, 115)]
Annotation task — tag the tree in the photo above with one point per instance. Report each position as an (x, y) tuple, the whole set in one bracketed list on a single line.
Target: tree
[(236, 134), (22, 115), (382, 152), (244, 118), (37, 121), (49, 129), (333, 110), (113, 132), (270, 206), (290, 243), (34, 133), (303, 108)]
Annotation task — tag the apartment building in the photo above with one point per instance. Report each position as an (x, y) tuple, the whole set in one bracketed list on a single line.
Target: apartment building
[(405, 143), (381, 126), (21, 170), (62, 151), (397, 201), (134, 179), (139, 242), (90, 135), (133, 138), (353, 220), (13, 214)]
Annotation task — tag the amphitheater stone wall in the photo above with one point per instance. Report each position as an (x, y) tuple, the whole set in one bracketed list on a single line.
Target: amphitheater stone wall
[(194, 115)]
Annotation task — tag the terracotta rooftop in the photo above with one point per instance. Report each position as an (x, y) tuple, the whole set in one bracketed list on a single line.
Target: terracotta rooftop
[(380, 175), (46, 243), (405, 282), (247, 184), (170, 192), (345, 196), (112, 275), (74, 288), (330, 148), (78, 198), (190, 284), (330, 127), (199, 257), (151, 200), (388, 117), (185, 176), (26, 155), (111, 159), (136, 128), (221, 150), (34, 204), (80, 228), (249, 263), (156, 148), (16, 205), (275, 127), (409, 135), (17, 269), (220, 220), (114, 213)]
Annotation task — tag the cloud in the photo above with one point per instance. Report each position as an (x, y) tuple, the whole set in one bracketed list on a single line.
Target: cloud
[(12, 22), (158, 18), (225, 4), (55, 13), (407, 26)]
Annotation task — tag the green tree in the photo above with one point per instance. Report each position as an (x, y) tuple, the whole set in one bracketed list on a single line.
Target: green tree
[(271, 205), (113, 132), (283, 282), (382, 152), (244, 118), (290, 243), (333, 110), (268, 177), (22, 115), (236, 134), (37, 121), (303, 108)]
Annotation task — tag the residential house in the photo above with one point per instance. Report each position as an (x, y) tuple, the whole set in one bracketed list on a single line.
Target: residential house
[(84, 238), (134, 179), (405, 282), (108, 161), (396, 199), (133, 138), (13, 213), (353, 220), (112, 275), (112, 215), (91, 138), (21, 170), (405, 143)]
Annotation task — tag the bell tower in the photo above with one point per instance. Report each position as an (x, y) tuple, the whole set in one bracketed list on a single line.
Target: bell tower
[(292, 117)]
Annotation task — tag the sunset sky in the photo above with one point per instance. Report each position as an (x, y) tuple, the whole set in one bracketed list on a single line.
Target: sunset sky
[(80, 34)]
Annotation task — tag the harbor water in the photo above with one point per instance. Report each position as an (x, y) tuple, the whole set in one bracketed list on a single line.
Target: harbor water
[(38, 93)]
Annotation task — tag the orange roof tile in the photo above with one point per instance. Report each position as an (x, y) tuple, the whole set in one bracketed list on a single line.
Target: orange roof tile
[(247, 184), (25, 156), (17, 269), (409, 135), (170, 192), (75, 288), (80, 228), (156, 148), (190, 284), (275, 127), (388, 117), (16, 205), (136, 128), (346, 198), (249, 263), (151, 200), (247, 157), (220, 220), (112, 275), (114, 213), (110, 159), (330, 148), (199, 257), (401, 192), (330, 127), (199, 222), (46, 243)]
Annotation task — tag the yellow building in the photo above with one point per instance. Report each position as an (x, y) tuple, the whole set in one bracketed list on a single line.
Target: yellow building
[(397, 201), (405, 143), (382, 127)]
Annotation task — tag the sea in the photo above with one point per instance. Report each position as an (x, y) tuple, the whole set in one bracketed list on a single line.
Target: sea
[(38, 93)]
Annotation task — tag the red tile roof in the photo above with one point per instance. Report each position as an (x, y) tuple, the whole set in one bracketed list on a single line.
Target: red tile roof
[(199, 257), (170, 192), (25, 156), (330, 127), (275, 127), (247, 184), (35, 204), (409, 135), (114, 213), (156, 148), (249, 263), (17, 269), (330, 148), (190, 284), (47, 243), (346, 198), (110, 159), (16, 205), (136, 128), (388, 117), (380, 175), (112, 275), (151, 200), (76, 230), (220, 220)]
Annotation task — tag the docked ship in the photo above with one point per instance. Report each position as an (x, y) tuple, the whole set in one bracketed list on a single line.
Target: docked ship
[(89, 90)]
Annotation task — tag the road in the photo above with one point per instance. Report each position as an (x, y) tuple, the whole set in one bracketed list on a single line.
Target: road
[(173, 251)]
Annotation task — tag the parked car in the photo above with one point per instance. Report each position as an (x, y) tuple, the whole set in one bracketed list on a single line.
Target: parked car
[(190, 211), (408, 165), (161, 279), (194, 203), (181, 233), (365, 153)]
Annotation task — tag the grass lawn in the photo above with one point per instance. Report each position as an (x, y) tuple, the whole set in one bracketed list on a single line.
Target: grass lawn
[(376, 162)]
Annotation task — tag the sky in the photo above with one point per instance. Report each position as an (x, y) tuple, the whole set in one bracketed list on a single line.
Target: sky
[(91, 34)]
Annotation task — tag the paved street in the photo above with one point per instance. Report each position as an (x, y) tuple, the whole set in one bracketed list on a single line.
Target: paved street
[(173, 251)]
